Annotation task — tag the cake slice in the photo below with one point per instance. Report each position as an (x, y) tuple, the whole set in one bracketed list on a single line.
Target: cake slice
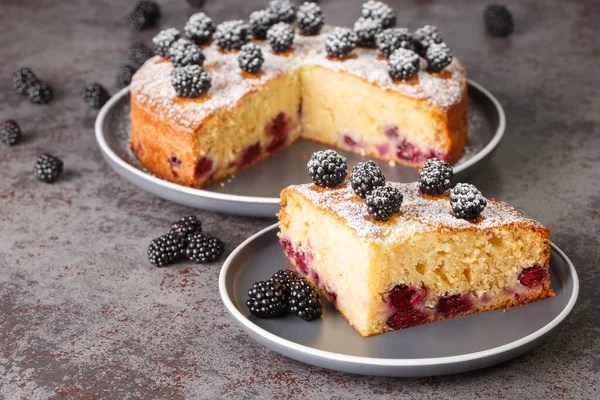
[(423, 264)]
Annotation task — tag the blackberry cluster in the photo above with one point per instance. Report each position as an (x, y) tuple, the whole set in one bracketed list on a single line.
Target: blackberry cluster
[(139, 53), (283, 10), (186, 227), (199, 28), (498, 20), (285, 277), (435, 176), (327, 168), (379, 11), (10, 132), (250, 58), (260, 22), (310, 19), (163, 41), (403, 64), (166, 249), (280, 37), (467, 202), (304, 300), (22, 79), (204, 248), (383, 202), (231, 35), (40, 93), (184, 52), (191, 81), (340, 42), (145, 15), (196, 3), (365, 177), (124, 75), (438, 57), (366, 29), (392, 39), (267, 299), (48, 168), (94, 95), (425, 36)]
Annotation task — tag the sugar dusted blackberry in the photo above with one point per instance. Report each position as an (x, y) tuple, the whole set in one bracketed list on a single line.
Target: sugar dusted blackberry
[(425, 36), (285, 277), (124, 75), (284, 10), (150, 8), (204, 248), (196, 3), (366, 30), (378, 10), (340, 42), (392, 39), (191, 81), (260, 22), (199, 28), (435, 176), (250, 58), (310, 19), (165, 250), (48, 168), (232, 35), (280, 37), (139, 53), (10, 132), (22, 79), (186, 227), (498, 20), (94, 95), (467, 201), (163, 41), (383, 202), (267, 299), (185, 52), (327, 168), (403, 64), (305, 302), (40, 93), (365, 177), (438, 57)]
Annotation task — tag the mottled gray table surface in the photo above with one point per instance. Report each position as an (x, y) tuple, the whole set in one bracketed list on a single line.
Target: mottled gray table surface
[(83, 314)]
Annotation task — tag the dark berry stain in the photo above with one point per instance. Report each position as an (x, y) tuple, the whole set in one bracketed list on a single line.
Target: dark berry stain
[(533, 276), (452, 305), (278, 129), (250, 155), (203, 166), (174, 164)]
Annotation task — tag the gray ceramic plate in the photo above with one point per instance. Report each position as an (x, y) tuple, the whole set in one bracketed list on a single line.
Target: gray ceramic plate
[(255, 191), (439, 348)]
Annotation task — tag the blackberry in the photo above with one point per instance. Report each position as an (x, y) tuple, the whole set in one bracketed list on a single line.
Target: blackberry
[(186, 227), (403, 64), (260, 22), (425, 36), (498, 20), (163, 41), (435, 176), (467, 202), (340, 42), (438, 57), (327, 168), (199, 28), (392, 39), (380, 11), (139, 53), (366, 30), (310, 19), (232, 34), (10, 132), (185, 52), (285, 277), (191, 81), (196, 3), (280, 37), (365, 177), (95, 95), (22, 79), (124, 75), (48, 168), (383, 202), (284, 10), (250, 58), (165, 250), (204, 248), (150, 8), (267, 299), (304, 300), (138, 21), (40, 93)]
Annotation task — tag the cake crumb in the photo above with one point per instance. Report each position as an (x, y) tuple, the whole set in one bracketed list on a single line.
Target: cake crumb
[(392, 163), (222, 184)]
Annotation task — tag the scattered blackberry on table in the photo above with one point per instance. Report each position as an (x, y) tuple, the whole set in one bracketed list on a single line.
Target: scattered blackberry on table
[(438, 57), (340, 42), (10, 132), (260, 22), (403, 64), (435, 176), (196, 3), (40, 93), (383, 202), (467, 202), (425, 36), (22, 79), (304, 300), (199, 28), (165, 250), (124, 75), (285, 277), (327, 168), (498, 20), (186, 227), (267, 299), (185, 52), (284, 10), (191, 81), (310, 19), (139, 53), (379, 11), (95, 95), (232, 35), (150, 8), (204, 248), (392, 39), (280, 37), (48, 168), (250, 58), (138, 21), (163, 41), (366, 30), (365, 177)]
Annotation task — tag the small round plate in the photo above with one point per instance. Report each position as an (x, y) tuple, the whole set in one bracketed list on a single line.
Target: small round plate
[(439, 348), (255, 191)]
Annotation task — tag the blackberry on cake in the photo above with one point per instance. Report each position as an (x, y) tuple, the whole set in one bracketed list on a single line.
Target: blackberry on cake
[(199, 28), (48, 168), (467, 201), (40, 93), (22, 79), (438, 57), (260, 22), (280, 37), (10, 132), (366, 30), (94, 95), (380, 11), (304, 300), (185, 52), (340, 42), (365, 177), (204, 248), (391, 39), (232, 35), (435, 177), (267, 299), (310, 19), (191, 81), (327, 168), (424, 36), (166, 249), (163, 41), (139, 53), (196, 3), (383, 202), (403, 64), (250, 58), (284, 10), (498, 20), (124, 75), (186, 227)]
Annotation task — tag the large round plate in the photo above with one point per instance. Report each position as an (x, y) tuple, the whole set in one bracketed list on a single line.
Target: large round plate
[(439, 348), (255, 191)]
